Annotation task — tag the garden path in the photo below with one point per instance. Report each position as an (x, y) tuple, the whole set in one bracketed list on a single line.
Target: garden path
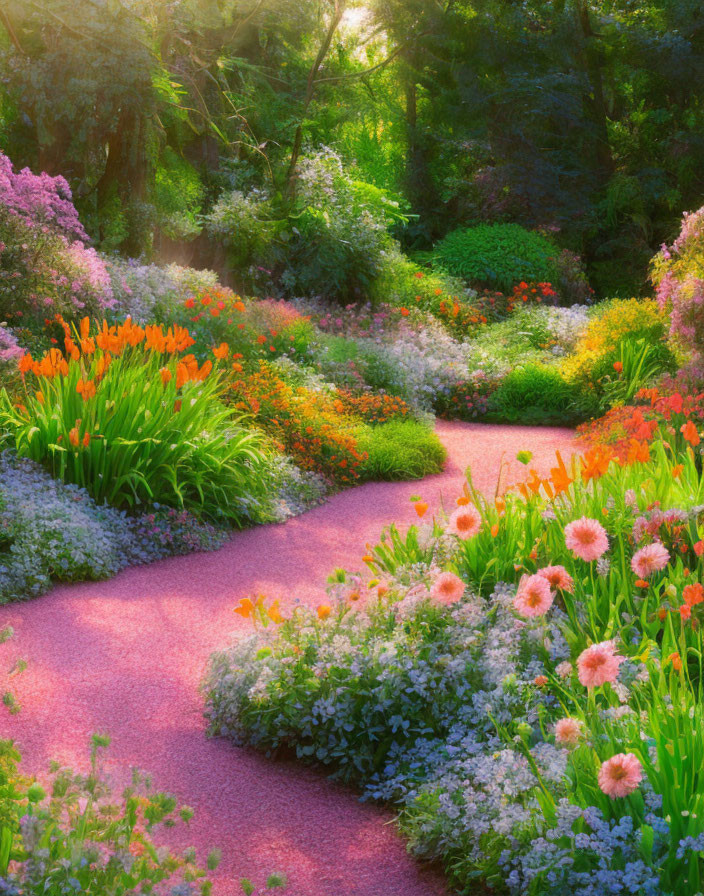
[(126, 657)]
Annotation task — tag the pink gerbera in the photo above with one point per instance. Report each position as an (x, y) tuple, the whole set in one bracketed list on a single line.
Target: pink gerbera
[(465, 522), (598, 664), (587, 539), (559, 578), (650, 559), (447, 588), (620, 775), (568, 731), (534, 597)]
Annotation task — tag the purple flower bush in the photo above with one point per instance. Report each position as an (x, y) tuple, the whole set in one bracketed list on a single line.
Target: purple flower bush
[(51, 531), (45, 265)]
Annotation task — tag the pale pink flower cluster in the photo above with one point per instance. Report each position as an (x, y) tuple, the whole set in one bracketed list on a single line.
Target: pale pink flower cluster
[(568, 731), (533, 597), (598, 664), (586, 538), (620, 775), (649, 559), (447, 588), (465, 522)]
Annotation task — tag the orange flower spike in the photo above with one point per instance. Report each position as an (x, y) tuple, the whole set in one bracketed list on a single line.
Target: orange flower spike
[(534, 481), (182, 374), (494, 530), (245, 608), (690, 432), (421, 508), (84, 328), (86, 439), (73, 437), (561, 479), (222, 351), (677, 471), (165, 375), (26, 363)]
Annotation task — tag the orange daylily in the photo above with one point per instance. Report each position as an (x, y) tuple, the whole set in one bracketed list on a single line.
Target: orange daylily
[(222, 351), (86, 389), (690, 432), (244, 608), (595, 462), (165, 375), (561, 479)]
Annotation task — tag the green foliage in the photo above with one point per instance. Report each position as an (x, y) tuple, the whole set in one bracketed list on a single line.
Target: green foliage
[(539, 394), (76, 837), (178, 196), (399, 450), (498, 255)]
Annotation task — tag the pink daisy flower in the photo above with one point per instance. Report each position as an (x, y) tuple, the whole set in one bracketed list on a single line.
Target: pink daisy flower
[(465, 522), (447, 588), (598, 664), (559, 578), (649, 559), (587, 539), (620, 775), (534, 597), (568, 731)]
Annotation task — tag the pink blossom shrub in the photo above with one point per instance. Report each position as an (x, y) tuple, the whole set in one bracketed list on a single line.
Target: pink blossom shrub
[(45, 265), (678, 274)]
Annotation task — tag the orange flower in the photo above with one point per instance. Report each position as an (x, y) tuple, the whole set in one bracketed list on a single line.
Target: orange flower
[(494, 530), (39, 396), (500, 506), (676, 661), (86, 389), (324, 611), (405, 312), (662, 613), (244, 608), (641, 583), (618, 366), (677, 471), (165, 375), (274, 614), (237, 367), (462, 501), (693, 594), (73, 437), (540, 680), (596, 462), (638, 452), (25, 363), (86, 439), (561, 480), (222, 351), (420, 508), (689, 431), (699, 548)]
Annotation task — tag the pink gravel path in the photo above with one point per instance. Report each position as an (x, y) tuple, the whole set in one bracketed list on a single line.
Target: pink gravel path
[(126, 657)]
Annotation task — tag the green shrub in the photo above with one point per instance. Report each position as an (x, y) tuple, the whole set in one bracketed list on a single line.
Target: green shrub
[(400, 449), (498, 256), (178, 196), (539, 394)]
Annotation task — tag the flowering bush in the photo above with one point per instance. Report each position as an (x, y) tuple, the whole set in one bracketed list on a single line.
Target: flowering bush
[(80, 838), (51, 531), (45, 265), (135, 421), (304, 422), (521, 678), (678, 273)]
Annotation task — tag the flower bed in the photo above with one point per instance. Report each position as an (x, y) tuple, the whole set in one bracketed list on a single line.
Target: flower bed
[(521, 678)]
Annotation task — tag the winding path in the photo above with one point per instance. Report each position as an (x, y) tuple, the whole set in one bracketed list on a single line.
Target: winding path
[(126, 657)]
